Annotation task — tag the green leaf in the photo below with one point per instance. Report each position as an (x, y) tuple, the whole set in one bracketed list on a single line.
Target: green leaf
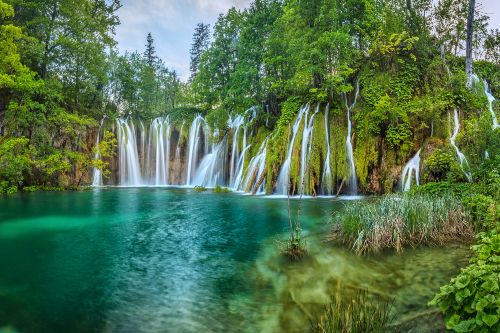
[(490, 320)]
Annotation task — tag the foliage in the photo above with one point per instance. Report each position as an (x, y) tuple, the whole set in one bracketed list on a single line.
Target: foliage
[(396, 221), (15, 163), (105, 151), (219, 189), (200, 188), (470, 301)]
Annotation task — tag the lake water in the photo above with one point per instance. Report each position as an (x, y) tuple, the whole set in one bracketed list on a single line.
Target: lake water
[(173, 260)]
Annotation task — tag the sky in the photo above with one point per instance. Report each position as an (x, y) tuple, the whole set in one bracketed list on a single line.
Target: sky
[(172, 24)]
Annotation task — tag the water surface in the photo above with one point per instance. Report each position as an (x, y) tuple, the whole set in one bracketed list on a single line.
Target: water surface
[(173, 260)]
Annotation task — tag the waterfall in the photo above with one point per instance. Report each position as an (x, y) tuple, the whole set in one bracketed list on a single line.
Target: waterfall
[(130, 171), (237, 158), (97, 178), (413, 166), (177, 158), (491, 99), (350, 156), (305, 151), (461, 157), (254, 178), (160, 141), (284, 176), (194, 143), (326, 179), (211, 171)]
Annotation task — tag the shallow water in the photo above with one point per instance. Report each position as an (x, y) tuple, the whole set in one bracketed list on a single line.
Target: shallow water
[(172, 260)]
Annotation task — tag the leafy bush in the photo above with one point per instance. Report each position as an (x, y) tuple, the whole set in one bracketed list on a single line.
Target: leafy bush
[(198, 188), (15, 163), (220, 189), (396, 221), (471, 301), (440, 163), (482, 208)]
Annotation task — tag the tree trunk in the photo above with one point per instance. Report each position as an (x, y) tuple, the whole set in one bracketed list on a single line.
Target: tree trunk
[(468, 47)]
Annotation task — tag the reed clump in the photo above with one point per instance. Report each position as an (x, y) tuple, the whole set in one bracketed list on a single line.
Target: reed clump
[(397, 221), (359, 313)]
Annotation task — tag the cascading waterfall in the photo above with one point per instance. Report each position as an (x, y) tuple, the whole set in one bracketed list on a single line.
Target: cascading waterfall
[(211, 171), (491, 99), (254, 179), (160, 149), (97, 174), (350, 155), (305, 151), (177, 158), (412, 167), (194, 143), (237, 157), (326, 179), (461, 157), (284, 176), (130, 170)]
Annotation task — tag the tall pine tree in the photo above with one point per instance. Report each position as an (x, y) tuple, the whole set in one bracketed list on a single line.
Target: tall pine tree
[(201, 39), (150, 53)]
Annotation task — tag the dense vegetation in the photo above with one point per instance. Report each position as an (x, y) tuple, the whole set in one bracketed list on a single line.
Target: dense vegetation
[(60, 75)]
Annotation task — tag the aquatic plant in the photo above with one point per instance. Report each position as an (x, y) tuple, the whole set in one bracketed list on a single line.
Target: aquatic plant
[(396, 221), (199, 188), (360, 313), (220, 189), (471, 300)]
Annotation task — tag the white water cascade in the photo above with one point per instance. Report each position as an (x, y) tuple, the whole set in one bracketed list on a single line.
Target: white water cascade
[(254, 178), (159, 150), (284, 176), (97, 174), (464, 164), (130, 171), (305, 150), (491, 99), (194, 146), (177, 157), (410, 169), (326, 179), (350, 155), (211, 171), (237, 156)]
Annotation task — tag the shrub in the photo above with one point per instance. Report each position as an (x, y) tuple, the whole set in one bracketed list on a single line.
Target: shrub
[(471, 301), (220, 189), (396, 221), (200, 188), (482, 208), (440, 164)]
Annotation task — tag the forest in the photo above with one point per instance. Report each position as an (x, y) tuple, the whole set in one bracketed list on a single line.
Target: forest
[(288, 98)]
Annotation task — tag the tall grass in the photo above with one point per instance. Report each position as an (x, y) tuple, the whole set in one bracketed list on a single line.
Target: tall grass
[(396, 221), (360, 313)]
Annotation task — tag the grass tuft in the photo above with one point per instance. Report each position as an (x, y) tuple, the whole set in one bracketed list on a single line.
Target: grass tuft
[(396, 221), (361, 312)]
